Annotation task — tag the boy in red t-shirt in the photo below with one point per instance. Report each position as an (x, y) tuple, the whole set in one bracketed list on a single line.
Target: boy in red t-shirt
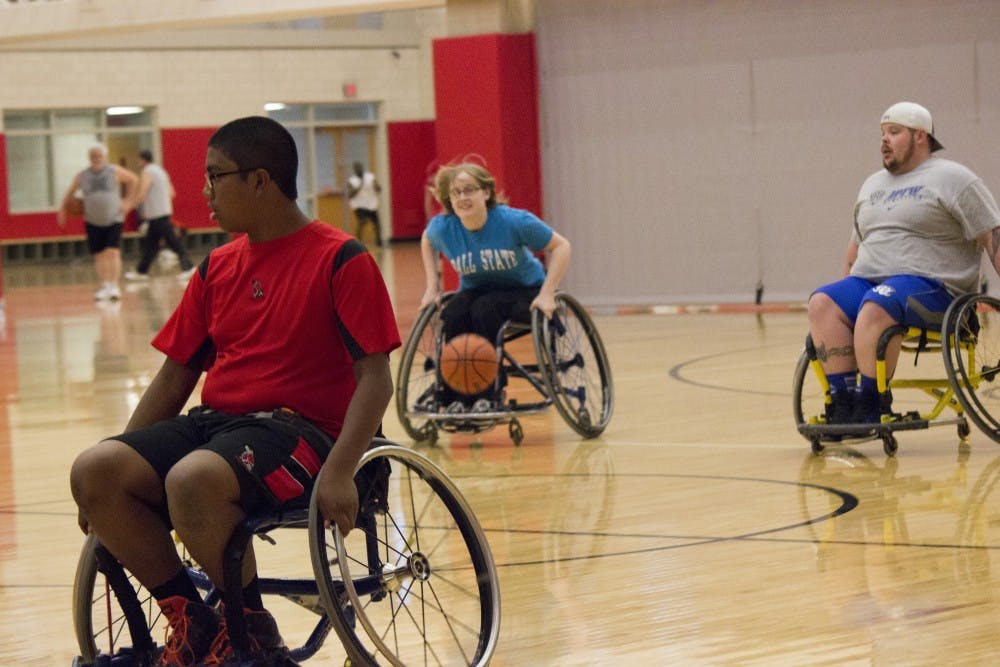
[(292, 323)]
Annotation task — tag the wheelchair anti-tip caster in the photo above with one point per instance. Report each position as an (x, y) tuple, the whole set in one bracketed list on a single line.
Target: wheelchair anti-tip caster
[(516, 432)]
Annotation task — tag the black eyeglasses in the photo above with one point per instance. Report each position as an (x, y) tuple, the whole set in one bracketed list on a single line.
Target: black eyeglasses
[(212, 177), (467, 191)]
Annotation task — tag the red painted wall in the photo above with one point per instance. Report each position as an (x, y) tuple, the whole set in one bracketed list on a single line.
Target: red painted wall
[(412, 147), (3, 179), (486, 103), (184, 159)]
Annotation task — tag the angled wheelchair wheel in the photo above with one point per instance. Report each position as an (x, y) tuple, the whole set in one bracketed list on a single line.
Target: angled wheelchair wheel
[(972, 358), (414, 583), (416, 381), (949, 348), (808, 398), (574, 366), (112, 613)]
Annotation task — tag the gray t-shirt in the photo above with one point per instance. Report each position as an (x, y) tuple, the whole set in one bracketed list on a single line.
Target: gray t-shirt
[(157, 202), (102, 203), (923, 223)]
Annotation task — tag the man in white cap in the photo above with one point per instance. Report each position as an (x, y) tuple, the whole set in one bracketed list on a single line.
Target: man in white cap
[(920, 226)]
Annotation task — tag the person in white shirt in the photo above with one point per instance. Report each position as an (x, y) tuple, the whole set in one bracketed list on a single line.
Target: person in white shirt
[(362, 193), (155, 205)]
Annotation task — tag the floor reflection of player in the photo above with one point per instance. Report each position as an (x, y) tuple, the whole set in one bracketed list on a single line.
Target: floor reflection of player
[(578, 530), (871, 549), (111, 359), (553, 558), (580, 510)]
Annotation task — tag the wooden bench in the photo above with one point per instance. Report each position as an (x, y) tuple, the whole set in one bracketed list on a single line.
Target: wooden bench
[(199, 241)]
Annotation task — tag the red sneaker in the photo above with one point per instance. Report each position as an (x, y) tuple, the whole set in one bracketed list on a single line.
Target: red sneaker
[(267, 648), (191, 631)]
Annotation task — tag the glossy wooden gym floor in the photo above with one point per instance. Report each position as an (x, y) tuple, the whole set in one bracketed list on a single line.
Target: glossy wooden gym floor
[(697, 530)]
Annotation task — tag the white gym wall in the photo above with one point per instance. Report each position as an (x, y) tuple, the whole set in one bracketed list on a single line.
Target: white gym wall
[(690, 149)]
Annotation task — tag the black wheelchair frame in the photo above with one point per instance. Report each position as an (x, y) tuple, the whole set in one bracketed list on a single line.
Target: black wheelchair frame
[(415, 578), (969, 341), (570, 371)]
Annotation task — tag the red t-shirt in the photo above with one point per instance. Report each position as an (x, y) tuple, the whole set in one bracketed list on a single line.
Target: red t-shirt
[(280, 323)]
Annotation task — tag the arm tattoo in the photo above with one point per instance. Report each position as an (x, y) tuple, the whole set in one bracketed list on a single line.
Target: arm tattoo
[(824, 354)]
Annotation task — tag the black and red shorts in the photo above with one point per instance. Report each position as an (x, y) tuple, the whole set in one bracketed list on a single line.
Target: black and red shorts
[(276, 455)]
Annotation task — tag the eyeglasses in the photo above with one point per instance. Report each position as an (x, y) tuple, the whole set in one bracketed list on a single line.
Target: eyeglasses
[(212, 177), (467, 191)]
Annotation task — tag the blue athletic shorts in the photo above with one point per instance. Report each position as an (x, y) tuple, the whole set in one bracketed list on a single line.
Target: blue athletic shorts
[(911, 300)]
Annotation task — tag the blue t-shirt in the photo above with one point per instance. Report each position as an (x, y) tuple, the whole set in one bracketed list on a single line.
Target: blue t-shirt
[(499, 255)]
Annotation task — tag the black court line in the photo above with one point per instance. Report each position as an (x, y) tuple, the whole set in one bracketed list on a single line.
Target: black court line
[(675, 373), (849, 502)]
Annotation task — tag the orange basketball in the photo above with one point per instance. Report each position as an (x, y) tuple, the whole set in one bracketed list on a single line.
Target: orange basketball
[(74, 207), (469, 363)]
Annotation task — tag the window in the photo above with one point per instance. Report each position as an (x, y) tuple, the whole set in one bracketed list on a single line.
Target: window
[(329, 138), (47, 148)]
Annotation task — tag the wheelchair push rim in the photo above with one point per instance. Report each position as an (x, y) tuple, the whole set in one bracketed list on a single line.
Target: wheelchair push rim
[(972, 358), (575, 366), (415, 583), (417, 377)]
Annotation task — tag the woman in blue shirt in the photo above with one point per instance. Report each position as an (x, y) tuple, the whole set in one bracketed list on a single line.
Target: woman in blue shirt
[(492, 248)]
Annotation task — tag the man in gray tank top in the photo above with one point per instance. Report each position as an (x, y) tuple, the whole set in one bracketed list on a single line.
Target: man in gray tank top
[(155, 196), (921, 224), (104, 211)]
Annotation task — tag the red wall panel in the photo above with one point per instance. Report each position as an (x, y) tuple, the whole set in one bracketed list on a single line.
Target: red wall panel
[(3, 199), (184, 159), (486, 104), (3, 179), (412, 149)]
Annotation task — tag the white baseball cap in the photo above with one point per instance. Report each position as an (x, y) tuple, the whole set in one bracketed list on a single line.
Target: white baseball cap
[(913, 116)]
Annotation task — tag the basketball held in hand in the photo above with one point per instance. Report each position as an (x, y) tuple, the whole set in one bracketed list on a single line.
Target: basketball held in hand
[(469, 364), (74, 207)]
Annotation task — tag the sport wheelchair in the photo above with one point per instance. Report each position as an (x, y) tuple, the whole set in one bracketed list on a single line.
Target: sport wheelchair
[(569, 368), (969, 341), (413, 584)]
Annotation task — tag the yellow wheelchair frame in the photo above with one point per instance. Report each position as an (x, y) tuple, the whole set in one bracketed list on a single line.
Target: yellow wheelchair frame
[(969, 341)]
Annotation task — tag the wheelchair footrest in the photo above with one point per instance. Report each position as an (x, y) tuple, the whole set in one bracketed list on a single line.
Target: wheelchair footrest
[(125, 657), (908, 422)]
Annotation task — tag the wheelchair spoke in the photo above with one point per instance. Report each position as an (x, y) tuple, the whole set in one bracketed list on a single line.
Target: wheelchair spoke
[(575, 367), (416, 380), (973, 348), (403, 602), (424, 612), (434, 604)]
